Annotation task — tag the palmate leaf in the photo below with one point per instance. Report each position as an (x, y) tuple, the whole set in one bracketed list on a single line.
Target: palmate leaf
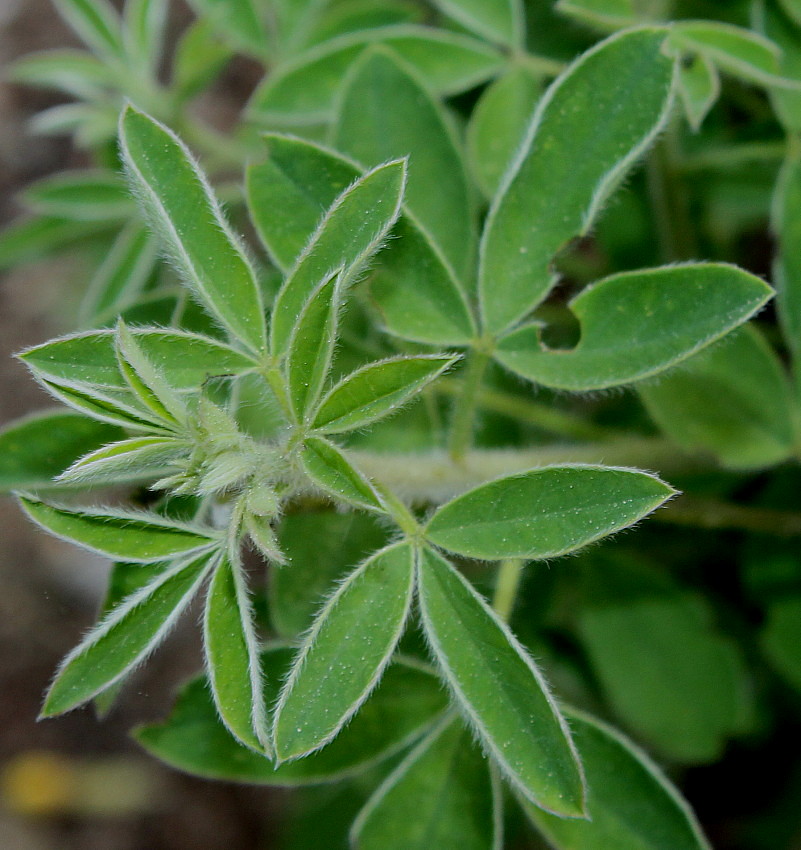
[(441, 795), (120, 535), (351, 231), (97, 23), (125, 636), (239, 20), (232, 655), (631, 805), (311, 346), (416, 127), (304, 90), (377, 390), (605, 15), (91, 195), (88, 359), (637, 324), (499, 690), (121, 277), (699, 88), (146, 380), (498, 124), (345, 653), (73, 72), (144, 26), (407, 700), (500, 21), (786, 222), (738, 51), (35, 449), (334, 474), (732, 401), (578, 147), (177, 197), (545, 512), (127, 460), (413, 285)]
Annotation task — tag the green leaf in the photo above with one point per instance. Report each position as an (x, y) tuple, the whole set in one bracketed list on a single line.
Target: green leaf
[(36, 448), (732, 401), (73, 72), (122, 276), (631, 805), (349, 16), (414, 288), (36, 238), (97, 23), (781, 639), (792, 8), (654, 653), (545, 512), (304, 90), (345, 653), (116, 408), (349, 234), (239, 20), (125, 580), (377, 390), (124, 637), (699, 88), (499, 689), (498, 124), (738, 51), (127, 460), (232, 656), (178, 198), (311, 346), (578, 147), (147, 381), (441, 795), (83, 195), (199, 57), (500, 21), (120, 535), (193, 739), (606, 15), (89, 359), (320, 547), (786, 221), (144, 29), (416, 126), (334, 474), (636, 324), (290, 192)]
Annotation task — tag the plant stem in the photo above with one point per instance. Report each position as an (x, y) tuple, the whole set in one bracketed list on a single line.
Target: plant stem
[(541, 416), (669, 201), (463, 416), (435, 477), (714, 514), (509, 576)]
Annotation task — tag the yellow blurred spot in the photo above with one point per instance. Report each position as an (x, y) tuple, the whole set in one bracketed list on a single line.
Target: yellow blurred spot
[(38, 783)]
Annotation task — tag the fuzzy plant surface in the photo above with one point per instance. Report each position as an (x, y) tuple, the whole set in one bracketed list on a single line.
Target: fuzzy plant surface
[(365, 338)]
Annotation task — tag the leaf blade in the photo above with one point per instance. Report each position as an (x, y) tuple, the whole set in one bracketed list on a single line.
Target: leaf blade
[(545, 512), (499, 689), (370, 606)]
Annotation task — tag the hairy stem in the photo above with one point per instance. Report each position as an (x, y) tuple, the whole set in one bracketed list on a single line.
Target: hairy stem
[(461, 433), (509, 575), (435, 477), (714, 514), (542, 416)]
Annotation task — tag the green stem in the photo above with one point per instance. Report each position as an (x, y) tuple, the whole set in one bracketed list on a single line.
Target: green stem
[(539, 65), (509, 575), (434, 477), (669, 201), (464, 415), (733, 156), (542, 416), (713, 514)]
